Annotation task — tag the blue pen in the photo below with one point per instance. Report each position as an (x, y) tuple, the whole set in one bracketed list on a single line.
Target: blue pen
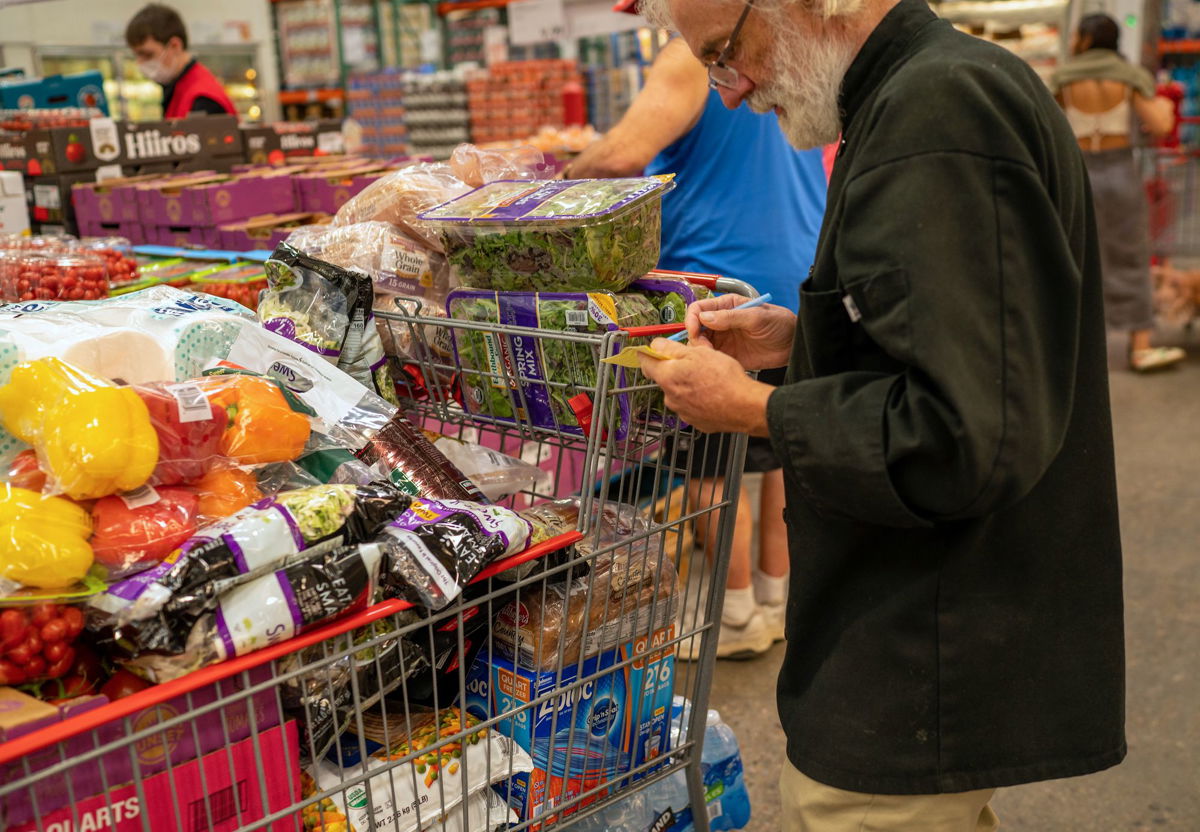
[(758, 301)]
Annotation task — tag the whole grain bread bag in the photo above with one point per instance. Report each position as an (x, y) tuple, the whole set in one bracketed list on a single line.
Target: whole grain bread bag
[(398, 198)]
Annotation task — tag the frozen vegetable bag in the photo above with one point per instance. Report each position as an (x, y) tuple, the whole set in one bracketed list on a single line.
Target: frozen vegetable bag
[(543, 380), (588, 234)]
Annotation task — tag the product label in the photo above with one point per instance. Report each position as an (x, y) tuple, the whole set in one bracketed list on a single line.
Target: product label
[(140, 497), (493, 521), (192, 403), (256, 614), (603, 308), (412, 545), (105, 142), (47, 196), (258, 536), (559, 199)]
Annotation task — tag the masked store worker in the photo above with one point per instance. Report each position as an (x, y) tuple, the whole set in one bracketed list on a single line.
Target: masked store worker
[(159, 41)]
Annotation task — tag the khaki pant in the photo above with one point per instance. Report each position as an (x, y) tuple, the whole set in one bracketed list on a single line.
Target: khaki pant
[(809, 806)]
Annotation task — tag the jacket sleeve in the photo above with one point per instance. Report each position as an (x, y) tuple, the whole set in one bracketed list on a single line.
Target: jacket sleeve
[(963, 275)]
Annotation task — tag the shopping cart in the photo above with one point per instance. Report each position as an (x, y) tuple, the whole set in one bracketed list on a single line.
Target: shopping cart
[(1173, 191), (549, 686)]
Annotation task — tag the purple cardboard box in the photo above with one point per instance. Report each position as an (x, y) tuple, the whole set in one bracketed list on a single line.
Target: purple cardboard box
[(163, 201), (130, 230), (252, 195), (326, 191), (114, 200), (173, 746)]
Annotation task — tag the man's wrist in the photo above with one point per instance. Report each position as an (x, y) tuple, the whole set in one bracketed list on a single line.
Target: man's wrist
[(754, 408)]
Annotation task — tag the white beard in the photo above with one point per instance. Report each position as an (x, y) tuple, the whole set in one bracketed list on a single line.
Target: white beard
[(808, 75)]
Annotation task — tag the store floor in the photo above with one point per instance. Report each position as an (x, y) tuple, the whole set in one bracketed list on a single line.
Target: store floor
[(1157, 425)]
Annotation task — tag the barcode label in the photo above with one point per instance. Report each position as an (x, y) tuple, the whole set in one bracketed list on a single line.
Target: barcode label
[(193, 405), (714, 809), (144, 496), (577, 317)]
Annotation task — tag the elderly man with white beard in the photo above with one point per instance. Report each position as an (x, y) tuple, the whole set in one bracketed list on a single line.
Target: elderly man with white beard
[(955, 619)]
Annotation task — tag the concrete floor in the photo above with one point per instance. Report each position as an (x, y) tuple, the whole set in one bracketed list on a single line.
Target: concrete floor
[(1157, 434)]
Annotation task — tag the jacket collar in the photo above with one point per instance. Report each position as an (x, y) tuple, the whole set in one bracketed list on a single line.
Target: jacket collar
[(879, 54), (169, 88)]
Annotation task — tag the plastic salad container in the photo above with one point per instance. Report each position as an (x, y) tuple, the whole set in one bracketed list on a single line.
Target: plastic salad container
[(241, 282), (562, 235)]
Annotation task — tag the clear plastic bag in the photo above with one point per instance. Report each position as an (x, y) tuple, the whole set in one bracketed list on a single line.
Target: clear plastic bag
[(476, 166), (43, 541), (394, 261), (133, 532), (398, 198), (497, 475)]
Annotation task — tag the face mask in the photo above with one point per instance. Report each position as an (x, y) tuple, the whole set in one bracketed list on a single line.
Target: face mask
[(156, 70)]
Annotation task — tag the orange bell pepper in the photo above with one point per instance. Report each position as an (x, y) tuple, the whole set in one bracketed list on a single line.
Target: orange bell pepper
[(262, 426), (226, 491)]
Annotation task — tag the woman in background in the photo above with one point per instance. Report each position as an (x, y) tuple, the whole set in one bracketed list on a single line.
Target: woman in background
[(1101, 92)]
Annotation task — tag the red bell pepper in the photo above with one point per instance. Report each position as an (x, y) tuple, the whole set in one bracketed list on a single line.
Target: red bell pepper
[(125, 537), (189, 429)]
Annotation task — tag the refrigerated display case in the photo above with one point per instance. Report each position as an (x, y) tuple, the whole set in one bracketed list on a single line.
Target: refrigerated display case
[(132, 96)]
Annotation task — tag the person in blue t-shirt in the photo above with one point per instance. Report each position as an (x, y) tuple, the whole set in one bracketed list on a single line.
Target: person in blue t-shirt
[(737, 183)]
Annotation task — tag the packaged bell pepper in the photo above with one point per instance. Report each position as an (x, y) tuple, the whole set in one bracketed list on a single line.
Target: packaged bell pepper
[(225, 491), (92, 437), (135, 531), (43, 540), (262, 425), (189, 429)]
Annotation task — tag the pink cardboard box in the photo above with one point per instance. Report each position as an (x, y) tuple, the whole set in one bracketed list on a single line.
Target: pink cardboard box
[(228, 796), (252, 195), (164, 202), (327, 191), (153, 753)]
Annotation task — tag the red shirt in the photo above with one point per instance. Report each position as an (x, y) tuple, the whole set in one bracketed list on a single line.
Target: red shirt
[(196, 90)]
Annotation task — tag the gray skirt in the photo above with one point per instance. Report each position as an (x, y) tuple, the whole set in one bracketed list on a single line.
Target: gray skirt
[(1122, 220)]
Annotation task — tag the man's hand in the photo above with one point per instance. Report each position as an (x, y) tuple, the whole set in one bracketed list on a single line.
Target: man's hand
[(708, 389), (759, 337)]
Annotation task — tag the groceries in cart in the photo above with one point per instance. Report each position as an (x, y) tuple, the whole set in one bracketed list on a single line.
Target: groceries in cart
[(563, 235), (442, 756)]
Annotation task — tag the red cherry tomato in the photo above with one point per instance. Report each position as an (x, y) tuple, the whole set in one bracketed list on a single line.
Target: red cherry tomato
[(60, 667), (12, 628), (73, 618), (43, 613), (11, 673), (33, 641), (122, 684), (35, 668), (21, 654), (54, 632)]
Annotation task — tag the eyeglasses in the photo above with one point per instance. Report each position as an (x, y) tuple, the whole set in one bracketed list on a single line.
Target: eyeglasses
[(719, 73)]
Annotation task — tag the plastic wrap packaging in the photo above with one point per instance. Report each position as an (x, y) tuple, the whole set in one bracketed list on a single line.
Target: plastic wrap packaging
[(328, 310), (547, 378), (242, 283), (414, 465), (133, 532), (433, 782), (400, 196), (562, 235), (37, 641), (189, 428), (117, 253), (670, 295), (476, 166), (436, 547), (69, 275), (274, 607), (497, 475), (486, 811), (92, 437), (256, 539), (43, 541), (394, 261), (633, 590)]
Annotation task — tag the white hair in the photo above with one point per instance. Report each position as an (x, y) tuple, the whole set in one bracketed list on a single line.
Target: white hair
[(658, 12)]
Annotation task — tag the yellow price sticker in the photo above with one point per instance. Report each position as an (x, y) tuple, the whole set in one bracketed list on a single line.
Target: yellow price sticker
[(628, 357)]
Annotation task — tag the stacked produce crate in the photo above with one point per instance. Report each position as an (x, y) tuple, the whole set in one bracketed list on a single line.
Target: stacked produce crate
[(436, 111), (512, 100), (377, 103)]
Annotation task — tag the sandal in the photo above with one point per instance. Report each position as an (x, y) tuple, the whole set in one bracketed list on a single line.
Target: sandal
[(1155, 358)]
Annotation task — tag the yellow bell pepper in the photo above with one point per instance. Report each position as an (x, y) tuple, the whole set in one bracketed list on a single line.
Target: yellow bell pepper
[(43, 540), (92, 437)]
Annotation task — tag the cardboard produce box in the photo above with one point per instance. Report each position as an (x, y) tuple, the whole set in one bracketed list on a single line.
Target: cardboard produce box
[(109, 201), (82, 89), (265, 232), (277, 144), (164, 201), (327, 191), (107, 142), (250, 195), (219, 792), (211, 731)]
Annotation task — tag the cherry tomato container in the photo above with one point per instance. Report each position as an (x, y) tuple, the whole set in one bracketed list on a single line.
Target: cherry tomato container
[(37, 641), (71, 275), (118, 258), (42, 243), (241, 282)]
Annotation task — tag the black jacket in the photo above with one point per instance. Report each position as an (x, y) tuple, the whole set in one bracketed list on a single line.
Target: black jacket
[(955, 616)]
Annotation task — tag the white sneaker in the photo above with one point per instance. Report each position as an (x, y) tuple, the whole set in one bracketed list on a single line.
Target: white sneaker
[(775, 613), (745, 641)]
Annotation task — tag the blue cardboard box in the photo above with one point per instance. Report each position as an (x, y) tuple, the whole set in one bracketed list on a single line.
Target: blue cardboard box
[(587, 733), (83, 89)]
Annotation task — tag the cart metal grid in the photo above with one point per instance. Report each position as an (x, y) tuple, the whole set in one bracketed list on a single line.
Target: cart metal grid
[(1173, 192), (371, 722)]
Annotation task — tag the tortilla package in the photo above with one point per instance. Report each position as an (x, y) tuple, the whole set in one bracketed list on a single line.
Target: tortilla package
[(414, 465)]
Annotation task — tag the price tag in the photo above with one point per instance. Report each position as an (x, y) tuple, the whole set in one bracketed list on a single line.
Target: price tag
[(144, 496), (536, 21)]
